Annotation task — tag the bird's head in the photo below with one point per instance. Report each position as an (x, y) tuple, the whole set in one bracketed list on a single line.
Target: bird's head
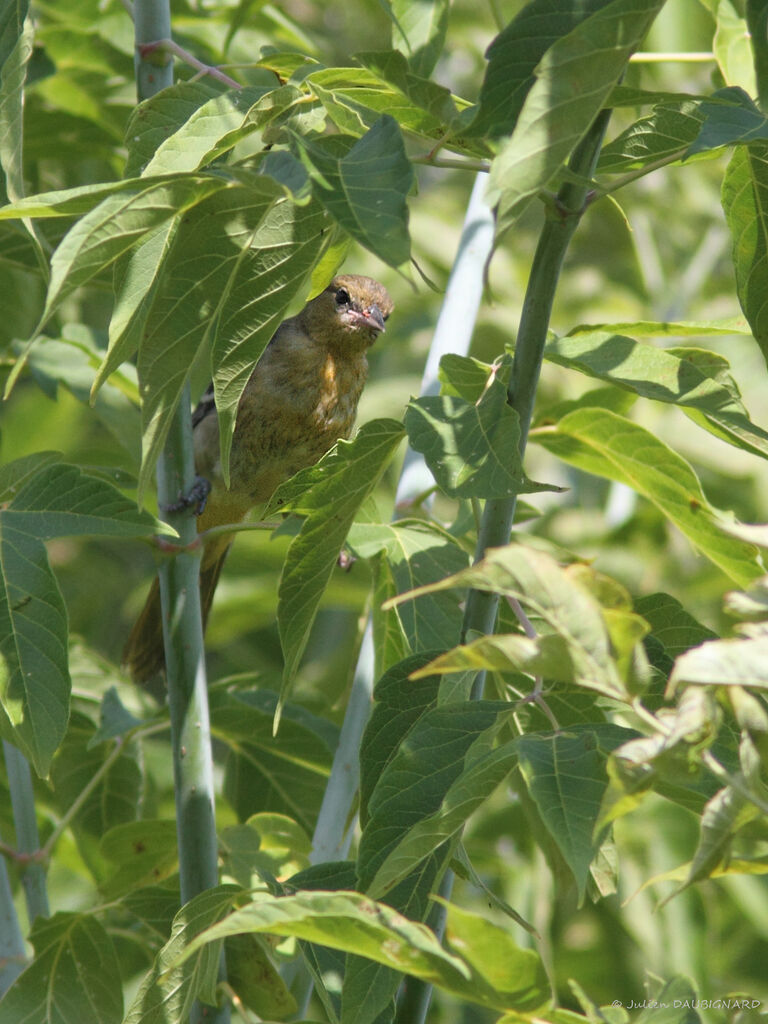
[(351, 312)]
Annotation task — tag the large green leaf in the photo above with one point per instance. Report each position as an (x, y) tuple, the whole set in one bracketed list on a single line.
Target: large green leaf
[(581, 640), (118, 223), (418, 30), (600, 442), (335, 489), (399, 703), (741, 661), (57, 501), (169, 990), (417, 553), (439, 750), (566, 778), (355, 924), (745, 201), (365, 186), (574, 77), (688, 377), (286, 773), (472, 448), (75, 975), (13, 72), (513, 58)]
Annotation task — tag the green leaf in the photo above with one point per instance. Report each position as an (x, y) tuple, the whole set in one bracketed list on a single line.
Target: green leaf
[(137, 278), (13, 73), (566, 778), (113, 227), (736, 662), (247, 241), (745, 201), (172, 986), (447, 113), (574, 78), (472, 449), (272, 265), (729, 123), (75, 973), (14, 474), (61, 501), (495, 958), (514, 55), (732, 49), (350, 922), (674, 627), (365, 188), (68, 202), (57, 501), (355, 99), (679, 377), (551, 593), (418, 31), (143, 852), (724, 815), (399, 702), (756, 25), (154, 120), (600, 442), (437, 750), (70, 361), (286, 773), (663, 135), (482, 772), (418, 553), (255, 978), (116, 799), (335, 489)]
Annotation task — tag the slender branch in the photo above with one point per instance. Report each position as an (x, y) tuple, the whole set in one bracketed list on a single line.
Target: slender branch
[(166, 45), (481, 166), (168, 547), (81, 798), (640, 172)]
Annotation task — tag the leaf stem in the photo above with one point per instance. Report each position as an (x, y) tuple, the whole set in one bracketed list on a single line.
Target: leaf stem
[(640, 172), (482, 166), (166, 45), (81, 798)]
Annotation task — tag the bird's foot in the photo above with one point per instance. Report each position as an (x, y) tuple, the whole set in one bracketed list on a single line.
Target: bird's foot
[(346, 560), (195, 499)]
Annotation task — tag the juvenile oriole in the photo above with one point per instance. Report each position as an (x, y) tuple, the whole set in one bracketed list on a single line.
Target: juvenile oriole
[(300, 399)]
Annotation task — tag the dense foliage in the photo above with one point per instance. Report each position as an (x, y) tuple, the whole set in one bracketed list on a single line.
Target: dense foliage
[(569, 735)]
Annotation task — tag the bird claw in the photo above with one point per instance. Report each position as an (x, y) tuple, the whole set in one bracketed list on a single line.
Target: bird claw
[(195, 499), (346, 560)]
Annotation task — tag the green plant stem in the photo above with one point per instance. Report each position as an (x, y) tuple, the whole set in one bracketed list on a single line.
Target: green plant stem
[(179, 590), (81, 798), (559, 227), (27, 836)]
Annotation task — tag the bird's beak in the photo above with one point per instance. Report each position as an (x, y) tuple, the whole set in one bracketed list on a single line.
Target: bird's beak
[(373, 317)]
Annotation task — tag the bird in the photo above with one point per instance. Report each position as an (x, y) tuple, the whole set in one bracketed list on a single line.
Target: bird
[(300, 399)]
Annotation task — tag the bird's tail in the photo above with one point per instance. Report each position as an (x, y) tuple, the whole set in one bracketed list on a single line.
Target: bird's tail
[(144, 651)]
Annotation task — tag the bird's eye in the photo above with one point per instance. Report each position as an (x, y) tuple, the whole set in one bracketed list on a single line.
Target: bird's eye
[(342, 297)]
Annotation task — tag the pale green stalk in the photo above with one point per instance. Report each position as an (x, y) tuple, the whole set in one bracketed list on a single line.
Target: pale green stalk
[(179, 590)]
